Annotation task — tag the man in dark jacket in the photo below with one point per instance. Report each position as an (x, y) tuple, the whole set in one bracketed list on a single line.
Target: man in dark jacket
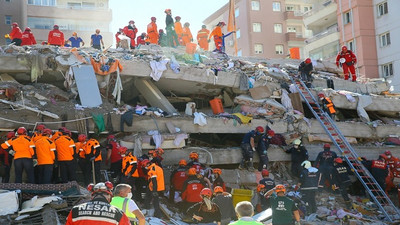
[(248, 147), (341, 180), (324, 162), (262, 148), (224, 202), (309, 185), (305, 69), (172, 37), (299, 155), (379, 170)]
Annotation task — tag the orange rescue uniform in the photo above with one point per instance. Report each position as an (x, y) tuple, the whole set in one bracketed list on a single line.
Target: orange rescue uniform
[(202, 38), (128, 163), (56, 135), (187, 36), (158, 173), (65, 148), (80, 149), (45, 151), (88, 149), (179, 32), (152, 33), (22, 145)]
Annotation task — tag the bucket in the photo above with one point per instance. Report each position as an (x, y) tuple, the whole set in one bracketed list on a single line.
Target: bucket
[(216, 106), (239, 195), (191, 48)]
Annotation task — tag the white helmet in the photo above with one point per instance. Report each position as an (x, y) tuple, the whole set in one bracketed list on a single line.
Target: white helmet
[(306, 164), (297, 142)]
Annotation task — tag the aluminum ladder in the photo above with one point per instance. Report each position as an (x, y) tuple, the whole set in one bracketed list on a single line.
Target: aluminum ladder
[(378, 195)]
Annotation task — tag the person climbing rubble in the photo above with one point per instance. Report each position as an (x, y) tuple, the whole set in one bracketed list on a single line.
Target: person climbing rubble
[(75, 41), (264, 185), (122, 199), (178, 29), (114, 157), (248, 147), (341, 180), (141, 39), (172, 38), (262, 148), (45, 151), (96, 40), (225, 203), (152, 31), (244, 211), (117, 39), (177, 179), (205, 211), (27, 37), (15, 35), (305, 69), (187, 36), (391, 161), (217, 179), (299, 154), (66, 153), (217, 35), (191, 189), (308, 185), (131, 31), (156, 186), (327, 105), (194, 162), (324, 162), (56, 37), (347, 59), (98, 210), (202, 37)]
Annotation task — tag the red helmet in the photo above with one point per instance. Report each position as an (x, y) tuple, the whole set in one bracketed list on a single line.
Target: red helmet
[(122, 150), (55, 26), (167, 10), (131, 21), (193, 155), (327, 145), (321, 95), (153, 18), (260, 129), (110, 137), (308, 60), (217, 170), (40, 127), (144, 34), (82, 138), (62, 129), (27, 29), (280, 188), (206, 192), (344, 48), (264, 173), (192, 171), (271, 133), (14, 24), (387, 152), (222, 23), (21, 131), (218, 189), (260, 187), (338, 160), (10, 134), (47, 132), (177, 17), (182, 162), (145, 162)]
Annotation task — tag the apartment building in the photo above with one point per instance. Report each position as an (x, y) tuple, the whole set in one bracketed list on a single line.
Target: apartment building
[(267, 29), (10, 11), (83, 17)]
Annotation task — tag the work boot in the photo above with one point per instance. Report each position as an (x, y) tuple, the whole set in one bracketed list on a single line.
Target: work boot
[(250, 166), (241, 165), (346, 77)]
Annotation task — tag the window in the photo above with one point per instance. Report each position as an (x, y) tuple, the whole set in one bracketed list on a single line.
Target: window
[(279, 49), (256, 27), (42, 2), (387, 70), (347, 17), (258, 49), (289, 8), (278, 28), (307, 8), (238, 33), (240, 53), (351, 46), (384, 39), (382, 8), (74, 5), (291, 29), (88, 5), (8, 20), (237, 12), (255, 5), (276, 6)]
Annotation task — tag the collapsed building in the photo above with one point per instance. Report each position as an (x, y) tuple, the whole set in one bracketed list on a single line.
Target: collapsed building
[(163, 97)]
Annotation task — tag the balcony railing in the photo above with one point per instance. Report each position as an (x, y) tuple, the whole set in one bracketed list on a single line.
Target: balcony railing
[(322, 34), (293, 36), (318, 7)]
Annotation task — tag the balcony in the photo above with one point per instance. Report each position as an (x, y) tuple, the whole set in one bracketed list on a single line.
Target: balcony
[(294, 37), (322, 14), (293, 15), (100, 14), (331, 30)]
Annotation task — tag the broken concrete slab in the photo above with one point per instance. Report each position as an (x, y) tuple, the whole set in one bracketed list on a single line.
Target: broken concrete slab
[(376, 87), (86, 82)]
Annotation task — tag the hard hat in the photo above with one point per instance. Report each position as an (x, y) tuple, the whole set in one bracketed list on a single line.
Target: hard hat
[(101, 187), (10, 134), (186, 24), (308, 60), (144, 34), (297, 142), (218, 189), (306, 164), (145, 162), (206, 192), (15, 24), (260, 187), (82, 138), (344, 48), (382, 156), (280, 188), (47, 132), (153, 18), (66, 132), (21, 130), (159, 151), (321, 95), (62, 129), (217, 170), (182, 162), (192, 171), (74, 34), (131, 21), (27, 29), (264, 173), (193, 155), (271, 133), (327, 145), (110, 137), (260, 129), (40, 127), (204, 26), (167, 10), (221, 23), (177, 17), (338, 160), (387, 152), (55, 26), (122, 150)]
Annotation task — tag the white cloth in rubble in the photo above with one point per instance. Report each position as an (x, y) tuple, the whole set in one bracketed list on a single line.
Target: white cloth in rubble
[(137, 147), (118, 88), (157, 69), (179, 138), (286, 101), (292, 88), (200, 118), (363, 101), (174, 65), (157, 138)]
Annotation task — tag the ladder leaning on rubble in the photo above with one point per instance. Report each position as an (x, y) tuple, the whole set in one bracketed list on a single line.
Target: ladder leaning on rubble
[(374, 190)]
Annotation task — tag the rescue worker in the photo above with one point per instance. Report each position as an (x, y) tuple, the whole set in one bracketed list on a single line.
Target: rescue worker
[(152, 31), (225, 203), (172, 38), (38, 133), (191, 189), (217, 35), (113, 155), (98, 210), (308, 185), (141, 39), (305, 69), (45, 149), (179, 29), (23, 150), (218, 181), (155, 156), (341, 179), (391, 161), (261, 202), (264, 185), (56, 37), (141, 184), (93, 153), (117, 39), (248, 147), (262, 148), (202, 37), (299, 155), (324, 162), (96, 40), (76, 41), (206, 211), (156, 186), (187, 36), (66, 152), (245, 211), (194, 162), (7, 159), (283, 208), (122, 199), (346, 59), (129, 169), (58, 133), (27, 37), (327, 105), (15, 35), (162, 39), (177, 178), (378, 168), (83, 160), (131, 31), (266, 180)]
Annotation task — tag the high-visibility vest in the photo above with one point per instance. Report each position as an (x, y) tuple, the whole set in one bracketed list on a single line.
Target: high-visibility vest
[(330, 105), (122, 203)]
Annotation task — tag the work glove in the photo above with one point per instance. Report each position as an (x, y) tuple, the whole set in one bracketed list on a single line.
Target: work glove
[(35, 162), (7, 36), (360, 159), (11, 152), (333, 187)]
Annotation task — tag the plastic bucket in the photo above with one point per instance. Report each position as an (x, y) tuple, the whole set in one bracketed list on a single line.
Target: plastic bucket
[(239, 195), (191, 48), (216, 106)]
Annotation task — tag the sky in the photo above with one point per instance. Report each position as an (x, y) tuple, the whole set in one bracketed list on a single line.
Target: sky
[(192, 11)]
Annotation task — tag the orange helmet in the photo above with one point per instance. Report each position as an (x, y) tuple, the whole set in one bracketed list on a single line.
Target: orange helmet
[(182, 162), (218, 189), (193, 155), (280, 188), (206, 192), (260, 187), (152, 153), (192, 171), (217, 170), (264, 172), (159, 151), (82, 138)]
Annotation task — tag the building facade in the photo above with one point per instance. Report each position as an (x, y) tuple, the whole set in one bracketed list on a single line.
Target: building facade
[(10, 11), (268, 29), (83, 17)]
